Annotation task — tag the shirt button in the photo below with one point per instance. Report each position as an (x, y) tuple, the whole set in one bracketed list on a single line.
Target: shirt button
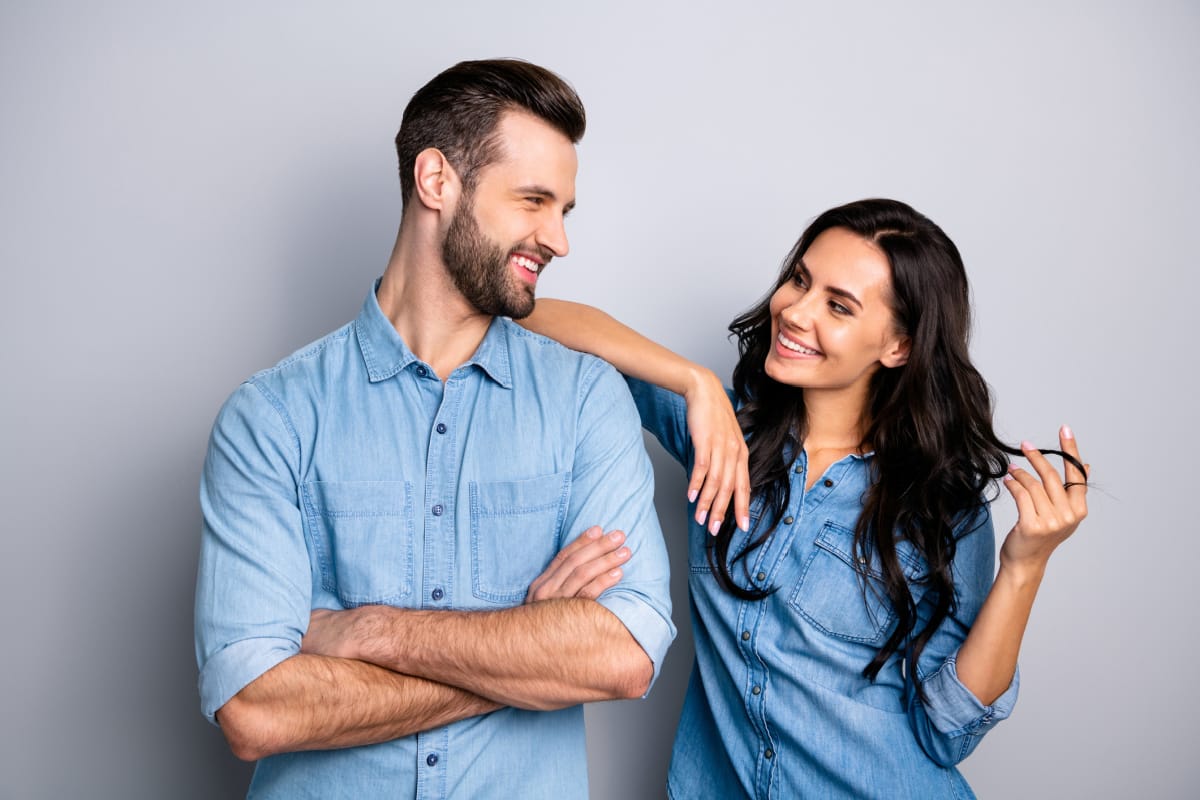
[(437, 594), (828, 483), (437, 510), (757, 690), (422, 371), (787, 520), (441, 428), (432, 759), (770, 753), (745, 636), (799, 469), (760, 577)]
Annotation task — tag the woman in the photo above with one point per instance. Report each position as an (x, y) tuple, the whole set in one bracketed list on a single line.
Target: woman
[(850, 640)]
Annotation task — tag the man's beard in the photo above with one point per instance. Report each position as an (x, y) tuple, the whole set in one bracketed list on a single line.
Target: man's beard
[(479, 268)]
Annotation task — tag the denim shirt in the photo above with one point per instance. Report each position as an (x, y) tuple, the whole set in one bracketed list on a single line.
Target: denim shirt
[(350, 474), (777, 705)]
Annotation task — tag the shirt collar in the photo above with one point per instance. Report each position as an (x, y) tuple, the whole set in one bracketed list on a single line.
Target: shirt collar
[(385, 354)]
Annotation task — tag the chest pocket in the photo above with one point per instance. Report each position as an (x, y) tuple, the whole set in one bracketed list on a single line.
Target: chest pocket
[(363, 535), (514, 533), (830, 593)]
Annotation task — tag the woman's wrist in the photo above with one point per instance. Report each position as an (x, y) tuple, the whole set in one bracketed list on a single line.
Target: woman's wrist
[(1021, 576), (699, 380)]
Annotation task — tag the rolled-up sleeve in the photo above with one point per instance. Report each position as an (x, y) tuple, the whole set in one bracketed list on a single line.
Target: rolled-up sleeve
[(253, 588), (612, 485), (947, 719)]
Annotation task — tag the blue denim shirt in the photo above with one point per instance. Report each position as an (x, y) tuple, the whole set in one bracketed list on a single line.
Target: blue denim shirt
[(777, 706), (350, 474)]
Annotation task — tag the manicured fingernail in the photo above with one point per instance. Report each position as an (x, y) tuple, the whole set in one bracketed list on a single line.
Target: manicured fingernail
[(1012, 468), (593, 533), (744, 524), (1066, 432), (716, 526), (1008, 478), (616, 536), (616, 573), (1027, 445), (692, 495), (700, 517), (624, 553)]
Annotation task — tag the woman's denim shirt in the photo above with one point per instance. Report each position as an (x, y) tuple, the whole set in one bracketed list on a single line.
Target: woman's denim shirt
[(777, 705)]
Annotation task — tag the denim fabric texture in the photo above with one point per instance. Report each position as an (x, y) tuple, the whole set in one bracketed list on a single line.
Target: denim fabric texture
[(777, 706), (350, 474)]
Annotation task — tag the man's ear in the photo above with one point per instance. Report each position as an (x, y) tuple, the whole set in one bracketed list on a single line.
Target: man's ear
[(435, 183), (896, 354)]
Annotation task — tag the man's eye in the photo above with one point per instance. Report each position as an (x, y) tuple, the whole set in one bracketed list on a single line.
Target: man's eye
[(534, 200)]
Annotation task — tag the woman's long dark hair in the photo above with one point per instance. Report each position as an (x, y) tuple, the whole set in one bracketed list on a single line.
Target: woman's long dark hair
[(929, 422)]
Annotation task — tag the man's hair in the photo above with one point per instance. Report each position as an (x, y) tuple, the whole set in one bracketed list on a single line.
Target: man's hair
[(458, 111)]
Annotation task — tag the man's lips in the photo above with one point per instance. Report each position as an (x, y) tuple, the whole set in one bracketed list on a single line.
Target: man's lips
[(528, 263)]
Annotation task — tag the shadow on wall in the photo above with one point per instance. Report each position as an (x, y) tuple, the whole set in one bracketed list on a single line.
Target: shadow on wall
[(342, 231)]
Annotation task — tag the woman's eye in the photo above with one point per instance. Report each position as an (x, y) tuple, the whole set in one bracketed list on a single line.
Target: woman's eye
[(838, 308)]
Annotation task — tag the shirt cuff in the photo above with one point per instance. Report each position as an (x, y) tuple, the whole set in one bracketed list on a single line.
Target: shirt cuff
[(233, 667), (953, 709), (650, 628)]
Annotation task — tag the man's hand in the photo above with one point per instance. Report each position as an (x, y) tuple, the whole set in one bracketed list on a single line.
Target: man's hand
[(584, 568), (336, 633)]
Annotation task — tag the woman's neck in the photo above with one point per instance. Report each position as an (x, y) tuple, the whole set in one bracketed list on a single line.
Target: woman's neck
[(834, 421)]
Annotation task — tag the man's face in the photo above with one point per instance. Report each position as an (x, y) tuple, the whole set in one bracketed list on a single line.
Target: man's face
[(505, 231)]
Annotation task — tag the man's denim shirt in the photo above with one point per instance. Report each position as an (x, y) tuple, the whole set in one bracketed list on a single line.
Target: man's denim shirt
[(777, 706), (350, 474)]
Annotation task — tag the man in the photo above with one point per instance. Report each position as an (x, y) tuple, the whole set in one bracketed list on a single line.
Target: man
[(378, 506)]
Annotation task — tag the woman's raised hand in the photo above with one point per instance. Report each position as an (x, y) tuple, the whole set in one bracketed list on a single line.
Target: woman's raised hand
[(1049, 506), (721, 471)]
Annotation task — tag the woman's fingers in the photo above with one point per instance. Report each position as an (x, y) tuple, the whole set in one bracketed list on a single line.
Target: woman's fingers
[(1076, 481), (720, 476)]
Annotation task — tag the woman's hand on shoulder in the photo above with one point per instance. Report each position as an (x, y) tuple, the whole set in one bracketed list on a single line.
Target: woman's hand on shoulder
[(1049, 507), (721, 471)]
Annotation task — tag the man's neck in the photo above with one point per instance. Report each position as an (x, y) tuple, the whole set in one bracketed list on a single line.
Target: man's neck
[(428, 312)]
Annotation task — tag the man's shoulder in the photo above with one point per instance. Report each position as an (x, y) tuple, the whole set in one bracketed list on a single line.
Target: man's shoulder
[(311, 358), (554, 360)]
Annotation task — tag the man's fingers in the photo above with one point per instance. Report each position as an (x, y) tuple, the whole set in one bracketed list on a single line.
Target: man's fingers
[(601, 584), (579, 564)]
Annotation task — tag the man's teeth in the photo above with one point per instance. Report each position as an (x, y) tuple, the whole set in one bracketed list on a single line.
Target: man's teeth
[(527, 263), (790, 345)]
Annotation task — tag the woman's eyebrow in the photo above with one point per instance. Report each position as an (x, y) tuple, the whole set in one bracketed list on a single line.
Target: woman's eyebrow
[(802, 268)]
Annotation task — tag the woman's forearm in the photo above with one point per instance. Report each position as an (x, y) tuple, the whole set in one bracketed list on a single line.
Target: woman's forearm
[(987, 659), (590, 330)]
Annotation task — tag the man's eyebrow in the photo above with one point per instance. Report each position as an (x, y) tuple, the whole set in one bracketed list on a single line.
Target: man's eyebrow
[(542, 191), (802, 268)]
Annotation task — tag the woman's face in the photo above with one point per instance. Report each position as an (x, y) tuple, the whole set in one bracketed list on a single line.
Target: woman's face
[(831, 324)]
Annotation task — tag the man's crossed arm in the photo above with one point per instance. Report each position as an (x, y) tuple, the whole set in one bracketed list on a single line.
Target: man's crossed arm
[(377, 673)]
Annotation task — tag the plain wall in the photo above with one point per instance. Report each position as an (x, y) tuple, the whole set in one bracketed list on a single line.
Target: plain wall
[(192, 191)]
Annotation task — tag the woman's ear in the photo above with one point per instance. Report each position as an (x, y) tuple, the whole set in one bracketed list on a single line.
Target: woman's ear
[(896, 352), (435, 183)]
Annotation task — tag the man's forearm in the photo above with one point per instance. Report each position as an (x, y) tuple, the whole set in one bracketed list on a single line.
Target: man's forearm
[(545, 655), (312, 702)]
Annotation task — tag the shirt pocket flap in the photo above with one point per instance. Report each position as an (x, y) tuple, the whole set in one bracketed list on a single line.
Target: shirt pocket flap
[(363, 535)]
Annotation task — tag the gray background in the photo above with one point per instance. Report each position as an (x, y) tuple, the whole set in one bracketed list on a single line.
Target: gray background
[(190, 193)]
